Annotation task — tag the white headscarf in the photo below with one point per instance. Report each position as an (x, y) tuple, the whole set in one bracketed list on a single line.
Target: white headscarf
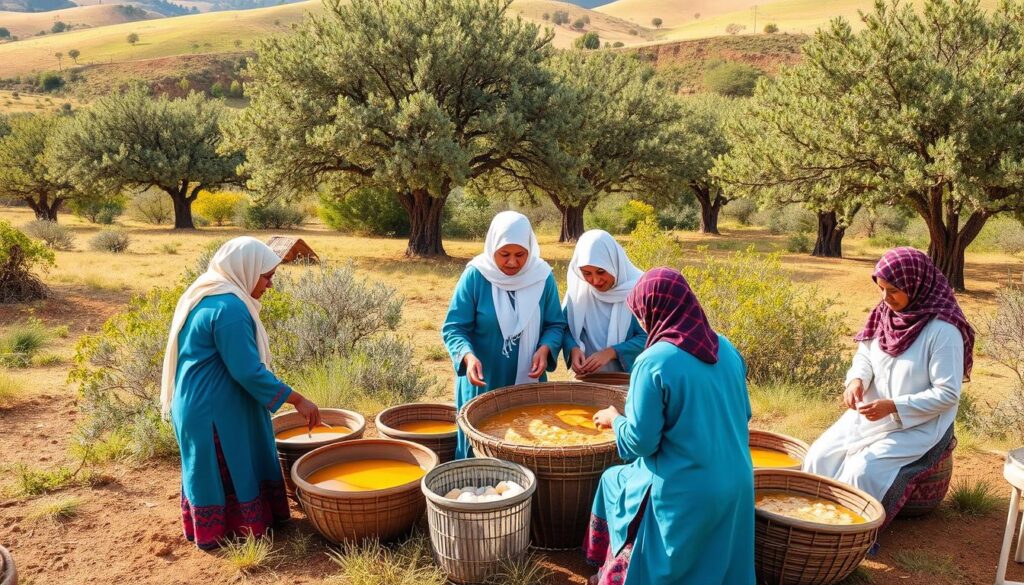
[(522, 320), (234, 269), (604, 314)]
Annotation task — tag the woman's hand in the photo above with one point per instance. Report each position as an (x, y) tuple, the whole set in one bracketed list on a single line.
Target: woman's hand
[(577, 358), (854, 393), (877, 409), (474, 370), (540, 362), (305, 407), (604, 418), (598, 360)]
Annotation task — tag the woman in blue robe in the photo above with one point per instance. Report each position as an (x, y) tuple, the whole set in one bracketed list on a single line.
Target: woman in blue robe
[(603, 335), (682, 510), (504, 324), (218, 391)]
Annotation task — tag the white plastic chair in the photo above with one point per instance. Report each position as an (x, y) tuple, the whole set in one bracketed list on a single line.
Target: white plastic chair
[(1013, 471)]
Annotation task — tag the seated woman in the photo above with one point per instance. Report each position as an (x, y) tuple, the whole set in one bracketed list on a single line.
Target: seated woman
[(218, 391), (683, 511), (903, 389), (504, 325), (603, 335)]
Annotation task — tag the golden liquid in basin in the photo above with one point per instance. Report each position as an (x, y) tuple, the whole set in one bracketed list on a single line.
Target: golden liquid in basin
[(770, 458), (547, 425), (321, 433), (807, 508), (426, 427), (365, 475)]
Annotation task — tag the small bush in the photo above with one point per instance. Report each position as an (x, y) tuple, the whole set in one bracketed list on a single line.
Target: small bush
[(274, 215), (103, 211), (801, 243), (33, 482), (371, 563), (679, 217), (650, 246), (152, 207), (249, 553), (467, 214), (50, 81), (790, 219), (219, 208), (20, 343), (620, 216), (974, 498), (372, 212), (54, 235), (771, 28), (19, 256), (56, 510), (740, 210), (732, 79), (169, 247), (111, 240), (10, 390), (879, 222), (589, 41)]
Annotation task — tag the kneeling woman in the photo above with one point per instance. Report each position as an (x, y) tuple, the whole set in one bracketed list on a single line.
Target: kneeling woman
[(683, 511), (504, 325), (904, 387), (603, 335), (218, 391)]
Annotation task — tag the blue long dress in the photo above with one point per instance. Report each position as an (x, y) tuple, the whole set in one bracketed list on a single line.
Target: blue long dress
[(626, 351), (685, 431), (471, 326), (231, 480)]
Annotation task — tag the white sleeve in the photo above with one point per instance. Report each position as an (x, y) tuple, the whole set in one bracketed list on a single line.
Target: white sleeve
[(945, 356), (861, 367)]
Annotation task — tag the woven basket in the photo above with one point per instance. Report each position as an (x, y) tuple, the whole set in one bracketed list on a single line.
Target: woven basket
[(355, 516), (441, 443), (567, 477), (930, 490), (788, 551), (8, 574), (778, 442), (606, 378), (471, 540), (288, 452)]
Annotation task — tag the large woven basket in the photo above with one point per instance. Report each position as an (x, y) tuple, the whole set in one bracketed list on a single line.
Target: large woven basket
[(788, 551), (8, 574), (606, 378), (778, 442), (471, 540), (931, 488), (567, 477), (441, 443), (288, 452), (356, 516)]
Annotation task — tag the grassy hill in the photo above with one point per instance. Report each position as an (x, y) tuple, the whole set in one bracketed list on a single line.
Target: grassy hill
[(232, 31), (26, 24), (675, 13)]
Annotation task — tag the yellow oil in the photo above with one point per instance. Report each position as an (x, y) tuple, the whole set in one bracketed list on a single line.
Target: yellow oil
[(366, 475), (807, 508), (301, 434), (426, 427), (770, 458), (547, 425)]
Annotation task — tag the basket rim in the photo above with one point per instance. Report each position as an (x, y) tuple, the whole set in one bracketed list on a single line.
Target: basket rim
[(814, 526), (393, 432), (360, 428), (446, 504), (305, 486), (473, 433), (780, 436)]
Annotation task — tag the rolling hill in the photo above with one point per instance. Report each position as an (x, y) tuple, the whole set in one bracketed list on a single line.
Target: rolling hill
[(26, 24), (675, 13)]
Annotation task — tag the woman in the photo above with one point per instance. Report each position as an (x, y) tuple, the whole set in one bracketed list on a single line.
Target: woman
[(682, 511), (603, 335), (504, 325), (218, 391), (903, 389)]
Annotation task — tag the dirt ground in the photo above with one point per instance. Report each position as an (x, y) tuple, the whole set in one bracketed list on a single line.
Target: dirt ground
[(129, 524)]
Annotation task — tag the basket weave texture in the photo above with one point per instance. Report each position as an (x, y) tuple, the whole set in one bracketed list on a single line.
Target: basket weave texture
[(471, 540), (778, 442), (606, 378), (289, 452), (567, 477), (441, 443), (930, 490), (384, 514), (788, 551), (8, 573)]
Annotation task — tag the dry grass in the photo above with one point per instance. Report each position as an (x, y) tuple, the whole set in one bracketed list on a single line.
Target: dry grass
[(919, 561), (372, 563), (971, 497), (250, 553), (26, 24), (54, 510), (11, 390)]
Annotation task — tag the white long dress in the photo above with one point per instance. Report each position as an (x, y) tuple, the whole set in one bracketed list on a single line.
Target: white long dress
[(924, 382)]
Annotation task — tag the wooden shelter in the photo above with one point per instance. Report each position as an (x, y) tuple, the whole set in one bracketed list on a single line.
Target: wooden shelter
[(292, 249)]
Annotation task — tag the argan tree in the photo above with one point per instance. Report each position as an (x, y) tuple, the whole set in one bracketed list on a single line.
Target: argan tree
[(137, 141), (74, 54), (920, 109), (24, 172), (412, 97), (701, 141)]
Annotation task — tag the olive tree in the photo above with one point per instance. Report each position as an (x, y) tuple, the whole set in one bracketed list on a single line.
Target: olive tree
[(24, 172)]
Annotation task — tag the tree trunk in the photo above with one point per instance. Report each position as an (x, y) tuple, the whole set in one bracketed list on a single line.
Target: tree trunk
[(948, 244), (830, 236), (182, 212), (424, 222), (572, 223), (43, 209), (710, 206)]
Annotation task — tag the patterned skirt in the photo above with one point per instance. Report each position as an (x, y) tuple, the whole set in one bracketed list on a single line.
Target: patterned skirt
[(612, 565), (921, 486), (209, 526)]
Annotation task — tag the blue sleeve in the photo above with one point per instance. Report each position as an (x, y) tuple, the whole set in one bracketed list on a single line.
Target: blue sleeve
[(568, 341), (234, 335), (630, 348), (460, 321), (638, 430), (553, 324)]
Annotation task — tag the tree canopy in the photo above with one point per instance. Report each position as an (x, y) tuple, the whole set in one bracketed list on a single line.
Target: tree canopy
[(24, 174)]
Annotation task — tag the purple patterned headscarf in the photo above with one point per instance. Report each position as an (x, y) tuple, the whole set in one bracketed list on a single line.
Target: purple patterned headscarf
[(666, 306), (931, 297)]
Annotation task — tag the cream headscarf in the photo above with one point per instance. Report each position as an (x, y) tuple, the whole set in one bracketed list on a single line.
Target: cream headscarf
[(604, 314), (521, 322), (234, 269)]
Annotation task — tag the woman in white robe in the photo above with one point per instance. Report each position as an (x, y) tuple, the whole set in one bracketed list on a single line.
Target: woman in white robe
[(903, 388)]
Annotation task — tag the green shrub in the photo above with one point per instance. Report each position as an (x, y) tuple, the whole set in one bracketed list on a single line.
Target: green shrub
[(650, 246), (1000, 234), (34, 482), (99, 210), (374, 212), (21, 342), (617, 215), (468, 214), (54, 235), (771, 28), (636, 212), (974, 498), (732, 79), (879, 222), (679, 217), (111, 240), (273, 215), (788, 333), (740, 210), (49, 81), (220, 207), (19, 256), (588, 41), (801, 243), (153, 207), (789, 219)]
